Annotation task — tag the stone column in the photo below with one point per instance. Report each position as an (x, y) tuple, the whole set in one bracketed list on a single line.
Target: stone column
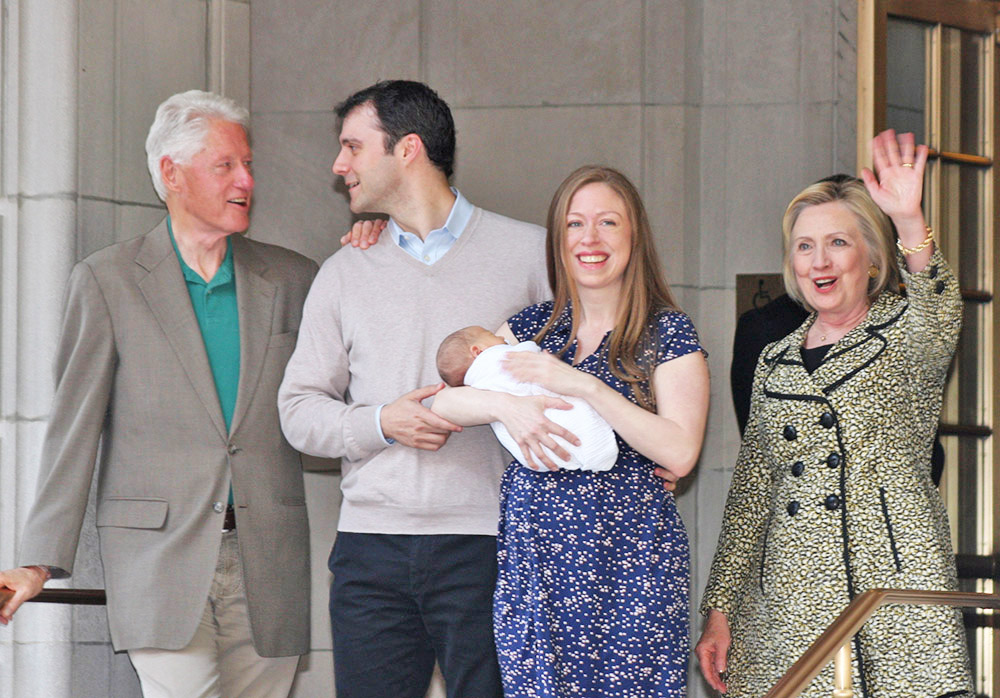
[(39, 106)]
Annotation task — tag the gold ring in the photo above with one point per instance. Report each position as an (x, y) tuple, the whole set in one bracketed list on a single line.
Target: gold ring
[(907, 164)]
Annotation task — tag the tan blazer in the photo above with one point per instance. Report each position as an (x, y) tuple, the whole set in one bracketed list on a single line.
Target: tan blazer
[(131, 367)]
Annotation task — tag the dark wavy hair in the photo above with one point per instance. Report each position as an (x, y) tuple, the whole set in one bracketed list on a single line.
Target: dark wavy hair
[(404, 107)]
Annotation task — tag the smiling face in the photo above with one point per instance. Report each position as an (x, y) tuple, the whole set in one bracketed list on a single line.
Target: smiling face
[(598, 240), (370, 173), (212, 193), (830, 260)]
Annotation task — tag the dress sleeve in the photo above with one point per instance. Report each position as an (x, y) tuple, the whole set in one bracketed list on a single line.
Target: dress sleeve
[(526, 323), (676, 336)]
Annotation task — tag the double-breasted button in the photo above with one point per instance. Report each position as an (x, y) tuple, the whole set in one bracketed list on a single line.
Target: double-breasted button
[(789, 432), (797, 468), (793, 508), (833, 460), (933, 271), (826, 420), (233, 450), (939, 287), (218, 507), (832, 502)]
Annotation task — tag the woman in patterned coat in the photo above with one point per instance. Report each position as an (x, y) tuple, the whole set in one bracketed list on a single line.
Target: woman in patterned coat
[(832, 494)]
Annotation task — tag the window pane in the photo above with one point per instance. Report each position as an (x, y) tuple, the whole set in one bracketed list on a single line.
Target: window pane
[(962, 221), (962, 108), (905, 76)]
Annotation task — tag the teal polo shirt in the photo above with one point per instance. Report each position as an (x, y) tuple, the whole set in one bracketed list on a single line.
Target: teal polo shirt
[(214, 304)]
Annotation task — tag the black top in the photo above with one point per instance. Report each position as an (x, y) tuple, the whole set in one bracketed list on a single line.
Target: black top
[(812, 358)]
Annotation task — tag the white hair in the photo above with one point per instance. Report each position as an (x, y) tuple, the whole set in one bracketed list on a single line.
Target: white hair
[(180, 126)]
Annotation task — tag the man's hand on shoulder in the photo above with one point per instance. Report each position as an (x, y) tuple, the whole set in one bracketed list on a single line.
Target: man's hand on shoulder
[(25, 582), (408, 422), (364, 234)]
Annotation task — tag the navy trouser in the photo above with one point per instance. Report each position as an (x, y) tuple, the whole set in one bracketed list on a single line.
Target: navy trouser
[(397, 602)]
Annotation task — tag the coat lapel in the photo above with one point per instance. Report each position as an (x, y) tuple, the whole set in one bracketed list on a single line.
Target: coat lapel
[(854, 352), (167, 296), (255, 300)]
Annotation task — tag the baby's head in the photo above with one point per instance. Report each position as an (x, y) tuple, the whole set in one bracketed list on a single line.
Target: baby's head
[(459, 350)]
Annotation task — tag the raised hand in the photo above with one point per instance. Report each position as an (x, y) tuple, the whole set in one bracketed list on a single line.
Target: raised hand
[(898, 181)]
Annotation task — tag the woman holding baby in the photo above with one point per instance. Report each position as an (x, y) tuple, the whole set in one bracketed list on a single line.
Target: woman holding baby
[(592, 595)]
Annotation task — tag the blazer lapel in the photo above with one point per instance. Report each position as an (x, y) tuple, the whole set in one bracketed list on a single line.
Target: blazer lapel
[(255, 300), (167, 296), (860, 347), (855, 351), (786, 376)]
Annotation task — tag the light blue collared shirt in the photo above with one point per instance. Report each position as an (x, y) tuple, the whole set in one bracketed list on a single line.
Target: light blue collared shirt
[(438, 241), (428, 251)]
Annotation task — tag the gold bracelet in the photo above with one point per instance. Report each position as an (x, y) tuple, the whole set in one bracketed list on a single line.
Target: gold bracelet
[(913, 250)]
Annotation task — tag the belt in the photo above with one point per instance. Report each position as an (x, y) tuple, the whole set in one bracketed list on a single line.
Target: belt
[(229, 523)]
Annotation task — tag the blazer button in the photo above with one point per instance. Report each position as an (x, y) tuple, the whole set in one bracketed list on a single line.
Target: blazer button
[(218, 507), (939, 287), (833, 460), (793, 508), (826, 420), (233, 450), (789, 432), (797, 468), (933, 271), (832, 502)]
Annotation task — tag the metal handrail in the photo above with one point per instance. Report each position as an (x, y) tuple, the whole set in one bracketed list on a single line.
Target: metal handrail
[(78, 597), (823, 649)]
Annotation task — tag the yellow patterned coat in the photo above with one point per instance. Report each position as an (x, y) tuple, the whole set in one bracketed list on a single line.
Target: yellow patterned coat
[(832, 496)]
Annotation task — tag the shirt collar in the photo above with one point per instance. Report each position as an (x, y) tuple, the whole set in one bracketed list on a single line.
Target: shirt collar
[(454, 225), (223, 275)]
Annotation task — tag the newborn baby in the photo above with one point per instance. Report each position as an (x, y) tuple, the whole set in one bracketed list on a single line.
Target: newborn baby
[(472, 356)]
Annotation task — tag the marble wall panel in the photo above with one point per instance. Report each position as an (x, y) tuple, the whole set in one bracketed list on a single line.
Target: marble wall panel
[(235, 53), (96, 98), (712, 208), (315, 675), (98, 671), (161, 51), (664, 188), (763, 51), (667, 35), (137, 220), (96, 227), (535, 52), (323, 499), (512, 160), (714, 56), (817, 54), (310, 54), (43, 669), (298, 201)]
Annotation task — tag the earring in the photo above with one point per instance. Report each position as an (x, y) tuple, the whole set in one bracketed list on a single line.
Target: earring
[(872, 271)]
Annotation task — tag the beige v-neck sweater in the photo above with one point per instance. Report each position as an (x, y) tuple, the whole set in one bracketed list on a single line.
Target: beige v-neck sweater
[(370, 332)]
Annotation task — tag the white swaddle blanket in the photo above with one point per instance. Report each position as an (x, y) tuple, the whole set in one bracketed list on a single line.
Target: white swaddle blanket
[(598, 449)]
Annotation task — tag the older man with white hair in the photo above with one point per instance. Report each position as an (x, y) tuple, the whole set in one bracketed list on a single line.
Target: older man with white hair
[(171, 351)]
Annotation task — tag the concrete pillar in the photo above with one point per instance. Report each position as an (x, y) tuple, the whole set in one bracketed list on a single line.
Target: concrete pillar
[(39, 242)]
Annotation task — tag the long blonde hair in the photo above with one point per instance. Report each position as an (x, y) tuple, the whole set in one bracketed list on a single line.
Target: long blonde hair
[(644, 289)]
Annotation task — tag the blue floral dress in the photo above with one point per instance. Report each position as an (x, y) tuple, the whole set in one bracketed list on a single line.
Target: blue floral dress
[(592, 595)]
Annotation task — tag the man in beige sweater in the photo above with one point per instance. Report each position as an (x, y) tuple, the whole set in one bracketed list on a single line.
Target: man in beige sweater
[(414, 561)]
